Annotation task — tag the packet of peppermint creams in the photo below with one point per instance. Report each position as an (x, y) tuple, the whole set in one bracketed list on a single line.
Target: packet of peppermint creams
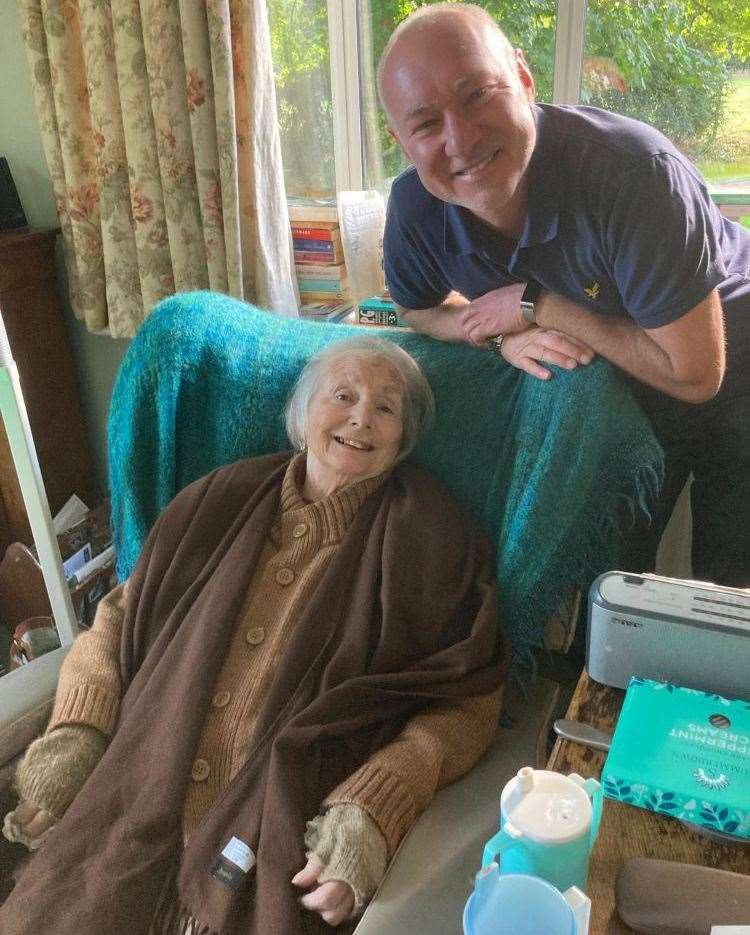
[(684, 753)]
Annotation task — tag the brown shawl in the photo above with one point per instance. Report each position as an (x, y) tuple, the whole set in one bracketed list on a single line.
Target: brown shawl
[(403, 616)]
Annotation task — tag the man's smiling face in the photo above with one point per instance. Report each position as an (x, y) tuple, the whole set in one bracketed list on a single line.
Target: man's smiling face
[(459, 102)]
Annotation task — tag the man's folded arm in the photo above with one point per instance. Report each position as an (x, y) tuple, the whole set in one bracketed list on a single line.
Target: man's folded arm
[(684, 359)]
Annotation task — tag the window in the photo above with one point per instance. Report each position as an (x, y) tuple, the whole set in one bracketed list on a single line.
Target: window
[(302, 68), (681, 65)]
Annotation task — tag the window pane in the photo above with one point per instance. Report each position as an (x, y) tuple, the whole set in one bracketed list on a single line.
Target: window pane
[(683, 67), (529, 26), (299, 43)]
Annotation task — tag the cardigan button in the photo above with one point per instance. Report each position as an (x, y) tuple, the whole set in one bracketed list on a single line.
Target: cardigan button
[(299, 530), (221, 699), (255, 635), (200, 771), (284, 576)]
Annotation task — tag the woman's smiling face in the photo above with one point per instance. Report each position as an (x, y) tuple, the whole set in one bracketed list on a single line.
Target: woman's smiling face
[(354, 424)]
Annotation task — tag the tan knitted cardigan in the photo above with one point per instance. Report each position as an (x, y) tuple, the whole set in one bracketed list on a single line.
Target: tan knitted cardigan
[(436, 746)]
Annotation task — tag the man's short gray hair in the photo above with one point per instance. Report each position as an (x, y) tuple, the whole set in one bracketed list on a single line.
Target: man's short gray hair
[(433, 11), (418, 401)]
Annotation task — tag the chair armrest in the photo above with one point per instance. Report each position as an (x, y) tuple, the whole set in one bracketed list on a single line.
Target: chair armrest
[(432, 873), (26, 697)]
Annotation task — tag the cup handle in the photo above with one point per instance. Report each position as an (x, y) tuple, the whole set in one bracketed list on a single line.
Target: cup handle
[(594, 788), (580, 904), (497, 846)]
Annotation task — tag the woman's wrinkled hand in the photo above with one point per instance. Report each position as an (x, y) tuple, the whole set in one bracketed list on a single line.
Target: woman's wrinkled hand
[(347, 857), (50, 775), (332, 900), (28, 825), (531, 348)]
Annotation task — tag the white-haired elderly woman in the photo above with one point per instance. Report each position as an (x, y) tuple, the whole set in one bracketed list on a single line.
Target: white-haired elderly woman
[(306, 651)]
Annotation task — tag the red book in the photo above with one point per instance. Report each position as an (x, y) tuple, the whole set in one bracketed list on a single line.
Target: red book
[(313, 233)]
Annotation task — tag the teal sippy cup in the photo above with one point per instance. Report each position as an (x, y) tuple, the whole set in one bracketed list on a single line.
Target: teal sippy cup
[(548, 826)]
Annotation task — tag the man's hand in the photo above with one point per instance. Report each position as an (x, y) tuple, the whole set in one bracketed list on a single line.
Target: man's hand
[(495, 312), (333, 900), (529, 349)]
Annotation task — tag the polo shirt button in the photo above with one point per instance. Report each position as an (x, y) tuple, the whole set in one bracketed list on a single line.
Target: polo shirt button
[(221, 699), (200, 771), (299, 530), (284, 576), (255, 635)]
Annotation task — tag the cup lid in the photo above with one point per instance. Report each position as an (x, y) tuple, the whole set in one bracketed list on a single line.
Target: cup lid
[(545, 806)]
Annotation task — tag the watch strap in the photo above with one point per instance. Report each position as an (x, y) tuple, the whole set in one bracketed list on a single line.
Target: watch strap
[(529, 297), (528, 312)]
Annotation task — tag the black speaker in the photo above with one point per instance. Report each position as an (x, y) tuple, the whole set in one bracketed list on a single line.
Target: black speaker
[(11, 211)]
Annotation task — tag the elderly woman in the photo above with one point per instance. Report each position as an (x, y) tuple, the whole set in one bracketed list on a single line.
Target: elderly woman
[(306, 651)]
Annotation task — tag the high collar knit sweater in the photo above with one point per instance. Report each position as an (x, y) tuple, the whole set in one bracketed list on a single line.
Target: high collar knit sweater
[(382, 636), (300, 546)]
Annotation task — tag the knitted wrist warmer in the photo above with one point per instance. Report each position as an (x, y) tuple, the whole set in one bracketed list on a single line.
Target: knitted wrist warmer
[(352, 847), (57, 765)]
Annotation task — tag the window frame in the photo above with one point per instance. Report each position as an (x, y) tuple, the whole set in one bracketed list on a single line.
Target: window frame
[(343, 38)]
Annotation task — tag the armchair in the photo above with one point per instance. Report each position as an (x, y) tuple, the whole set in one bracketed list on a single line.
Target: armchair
[(551, 471)]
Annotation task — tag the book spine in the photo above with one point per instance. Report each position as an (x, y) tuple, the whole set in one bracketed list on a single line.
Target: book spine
[(315, 233), (324, 246), (329, 271), (320, 285), (380, 317), (316, 256), (306, 296), (315, 223), (313, 215)]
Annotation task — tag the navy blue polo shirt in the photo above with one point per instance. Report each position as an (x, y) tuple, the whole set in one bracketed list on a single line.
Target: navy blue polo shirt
[(618, 221)]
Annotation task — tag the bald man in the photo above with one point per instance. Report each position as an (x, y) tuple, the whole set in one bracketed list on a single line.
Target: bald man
[(551, 234)]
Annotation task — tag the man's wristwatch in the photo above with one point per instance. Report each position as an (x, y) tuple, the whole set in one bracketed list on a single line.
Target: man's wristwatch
[(495, 344), (529, 297)]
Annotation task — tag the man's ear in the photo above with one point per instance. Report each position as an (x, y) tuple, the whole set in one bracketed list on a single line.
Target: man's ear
[(524, 75)]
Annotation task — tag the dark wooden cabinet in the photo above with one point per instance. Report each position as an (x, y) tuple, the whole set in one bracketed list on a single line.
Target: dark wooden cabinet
[(34, 321)]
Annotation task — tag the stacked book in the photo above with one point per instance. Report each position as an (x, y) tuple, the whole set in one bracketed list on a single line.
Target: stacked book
[(380, 310), (319, 262)]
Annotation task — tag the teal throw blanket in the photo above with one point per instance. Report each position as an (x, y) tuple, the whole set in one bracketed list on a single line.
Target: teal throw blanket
[(551, 471)]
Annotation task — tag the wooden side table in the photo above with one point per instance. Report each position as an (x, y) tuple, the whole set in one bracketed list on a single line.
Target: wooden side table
[(38, 338), (627, 831)]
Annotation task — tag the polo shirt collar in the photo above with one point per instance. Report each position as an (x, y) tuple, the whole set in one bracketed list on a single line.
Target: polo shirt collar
[(464, 233)]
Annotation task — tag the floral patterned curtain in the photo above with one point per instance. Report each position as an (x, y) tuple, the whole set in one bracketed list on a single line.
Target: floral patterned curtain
[(158, 119)]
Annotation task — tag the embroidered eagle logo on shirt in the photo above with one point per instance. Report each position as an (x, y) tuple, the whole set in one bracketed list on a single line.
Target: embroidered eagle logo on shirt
[(593, 290)]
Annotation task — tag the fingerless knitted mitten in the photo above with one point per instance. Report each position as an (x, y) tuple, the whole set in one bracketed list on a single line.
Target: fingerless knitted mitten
[(57, 765), (352, 847)]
